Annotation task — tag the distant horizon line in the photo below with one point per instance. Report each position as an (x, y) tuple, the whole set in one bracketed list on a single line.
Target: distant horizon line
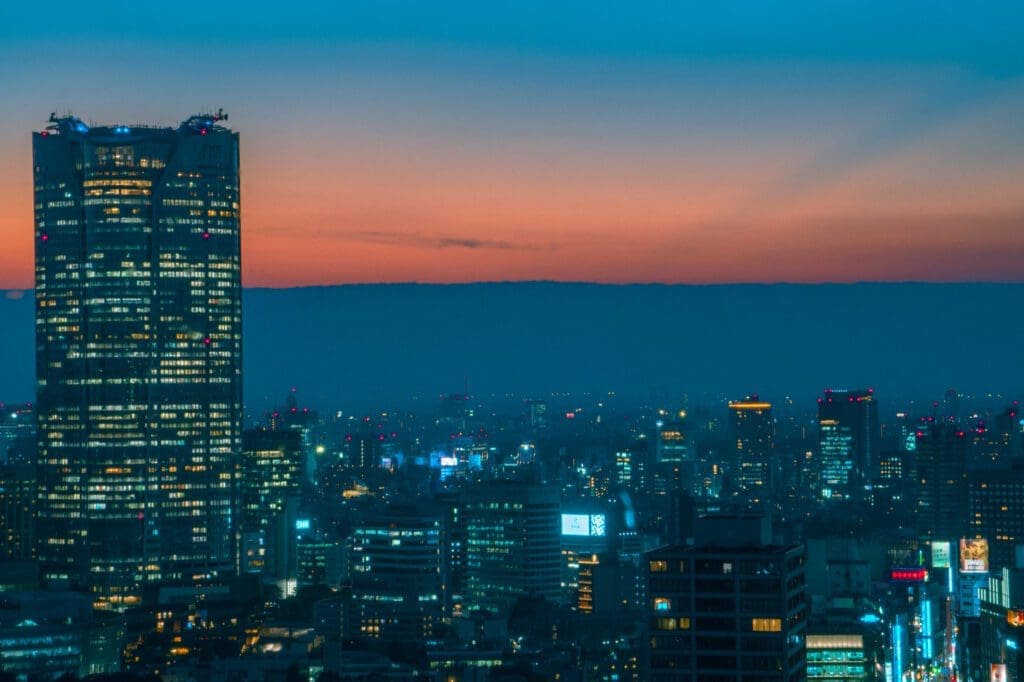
[(694, 285)]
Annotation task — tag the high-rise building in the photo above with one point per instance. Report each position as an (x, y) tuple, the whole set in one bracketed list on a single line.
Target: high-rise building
[(941, 481), (271, 479), (848, 440), (753, 435), (730, 607), (138, 353), (396, 573), (512, 544)]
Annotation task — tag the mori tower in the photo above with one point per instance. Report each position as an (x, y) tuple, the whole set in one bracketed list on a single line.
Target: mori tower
[(138, 354)]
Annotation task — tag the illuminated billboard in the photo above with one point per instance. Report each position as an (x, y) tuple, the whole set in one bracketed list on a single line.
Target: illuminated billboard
[(974, 555), (997, 672), (908, 575), (583, 525), (941, 554)]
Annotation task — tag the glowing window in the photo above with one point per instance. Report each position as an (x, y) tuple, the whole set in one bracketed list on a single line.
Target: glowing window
[(766, 624)]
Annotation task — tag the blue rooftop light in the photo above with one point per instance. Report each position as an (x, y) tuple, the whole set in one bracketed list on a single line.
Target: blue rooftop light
[(81, 127)]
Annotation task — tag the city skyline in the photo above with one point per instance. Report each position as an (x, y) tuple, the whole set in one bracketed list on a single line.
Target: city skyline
[(678, 145), (589, 342)]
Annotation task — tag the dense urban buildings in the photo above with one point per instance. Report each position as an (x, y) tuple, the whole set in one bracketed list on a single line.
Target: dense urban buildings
[(138, 353)]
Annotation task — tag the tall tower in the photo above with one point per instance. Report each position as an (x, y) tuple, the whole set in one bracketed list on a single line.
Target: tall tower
[(753, 432), (138, 353), (848, 438)]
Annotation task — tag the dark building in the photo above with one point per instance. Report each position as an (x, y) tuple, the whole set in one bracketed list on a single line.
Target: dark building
[(730, 607), (17, 509), (396, 573), (753, 434), (996, 513), (512, 544), (138, 353), (941, 481), (849, 437)]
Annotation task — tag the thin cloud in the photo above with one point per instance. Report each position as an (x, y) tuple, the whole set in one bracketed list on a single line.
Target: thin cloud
[(438, 241)]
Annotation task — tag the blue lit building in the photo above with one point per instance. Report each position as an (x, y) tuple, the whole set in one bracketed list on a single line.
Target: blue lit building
[(848, 439)]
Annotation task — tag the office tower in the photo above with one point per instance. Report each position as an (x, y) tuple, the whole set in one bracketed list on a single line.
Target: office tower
[(17, 506), (396, 573), (995, 502), (138, 353), (302, 420), (271, 480), (675, 468), (753, 434), (941, 481), (730, 607), (512, 544), (848, 440)]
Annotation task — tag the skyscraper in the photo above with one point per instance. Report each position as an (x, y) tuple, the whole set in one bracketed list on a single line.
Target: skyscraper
[(848, 438), (942, 493), (138, 353), (753, 433)]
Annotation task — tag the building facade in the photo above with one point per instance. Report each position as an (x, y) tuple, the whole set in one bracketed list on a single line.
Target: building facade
[(138, 353), (848, 439), (730, 607), (753, 434)]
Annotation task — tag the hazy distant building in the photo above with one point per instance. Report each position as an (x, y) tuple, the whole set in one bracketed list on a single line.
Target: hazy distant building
[(138, 353), (848, 440), (753, 435), (17, 434), (730, 607)]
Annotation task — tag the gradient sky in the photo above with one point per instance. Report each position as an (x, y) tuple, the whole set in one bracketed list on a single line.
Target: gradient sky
[(614, 142)]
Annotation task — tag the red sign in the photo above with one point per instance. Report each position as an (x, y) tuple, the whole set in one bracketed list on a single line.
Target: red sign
[(908, 575)]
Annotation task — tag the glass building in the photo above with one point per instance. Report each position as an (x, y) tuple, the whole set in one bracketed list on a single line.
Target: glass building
[(848, 440), (138, 353)]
